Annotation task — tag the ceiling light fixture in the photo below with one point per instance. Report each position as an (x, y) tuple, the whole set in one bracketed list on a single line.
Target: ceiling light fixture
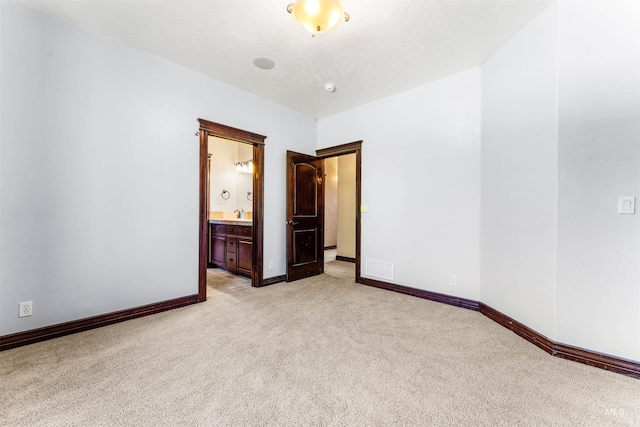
[(318, 16)]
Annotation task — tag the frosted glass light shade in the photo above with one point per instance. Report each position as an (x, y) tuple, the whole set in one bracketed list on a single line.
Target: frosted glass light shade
[(317, 16)]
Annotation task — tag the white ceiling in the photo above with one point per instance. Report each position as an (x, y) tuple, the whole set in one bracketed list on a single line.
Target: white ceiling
[(387, 46)]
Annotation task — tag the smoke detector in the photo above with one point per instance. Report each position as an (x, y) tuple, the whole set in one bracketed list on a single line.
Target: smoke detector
[(330, 87)]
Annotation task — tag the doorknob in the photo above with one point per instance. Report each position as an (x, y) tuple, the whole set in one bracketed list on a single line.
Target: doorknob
[(291, 223)]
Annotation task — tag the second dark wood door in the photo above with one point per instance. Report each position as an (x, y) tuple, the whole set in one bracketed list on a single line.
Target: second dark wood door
[(305, 216)]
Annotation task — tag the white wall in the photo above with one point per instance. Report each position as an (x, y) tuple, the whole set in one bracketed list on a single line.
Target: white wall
[(560, 139), (99, 170), (519, 176), (244, 179), (599, 115), (421, 181), (223, 175), (346, 240), (331, 201)]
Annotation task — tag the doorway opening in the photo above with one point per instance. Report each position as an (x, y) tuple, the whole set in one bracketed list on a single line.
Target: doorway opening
[(343, 197), (305, 210), (340, 211), (211, 129), (230, 214)]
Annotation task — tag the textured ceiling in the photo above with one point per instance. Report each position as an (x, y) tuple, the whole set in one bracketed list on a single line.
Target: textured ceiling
[(387, 46)]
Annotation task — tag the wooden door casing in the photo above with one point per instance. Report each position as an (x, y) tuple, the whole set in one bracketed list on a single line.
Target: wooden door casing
[(207, 129), (340, 150)]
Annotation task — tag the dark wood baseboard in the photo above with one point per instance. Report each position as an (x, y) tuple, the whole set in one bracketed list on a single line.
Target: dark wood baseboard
[(518, 328), (326, 248), (598, 360), (576, 354), (603, 361), (67, 328), (344, 258), (432, 296), (274, 280)]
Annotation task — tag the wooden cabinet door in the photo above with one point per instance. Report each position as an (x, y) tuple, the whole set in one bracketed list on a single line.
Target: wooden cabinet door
[(218, 251), (245, 251)]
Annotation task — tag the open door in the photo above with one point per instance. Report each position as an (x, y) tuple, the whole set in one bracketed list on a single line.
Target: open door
[(305, 216)]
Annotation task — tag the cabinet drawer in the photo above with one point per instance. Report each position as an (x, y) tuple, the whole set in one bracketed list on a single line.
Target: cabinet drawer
[(232, 243), (218, 229), (244, 231), (232, 262), (231, 230)]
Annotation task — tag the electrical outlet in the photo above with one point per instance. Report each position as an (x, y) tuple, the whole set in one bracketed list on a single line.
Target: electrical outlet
[(452, 280), (26, 309), (270, 265)]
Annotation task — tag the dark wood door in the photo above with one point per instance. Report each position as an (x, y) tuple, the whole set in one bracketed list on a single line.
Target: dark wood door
[(305, 216)]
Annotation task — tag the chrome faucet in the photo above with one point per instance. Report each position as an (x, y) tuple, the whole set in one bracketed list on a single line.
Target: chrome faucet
[(237, 212)]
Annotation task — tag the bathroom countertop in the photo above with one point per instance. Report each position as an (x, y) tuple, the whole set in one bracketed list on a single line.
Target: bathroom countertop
[(231, 221)]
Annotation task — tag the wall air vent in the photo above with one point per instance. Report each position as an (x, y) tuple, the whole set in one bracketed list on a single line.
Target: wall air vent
[(381, 269)]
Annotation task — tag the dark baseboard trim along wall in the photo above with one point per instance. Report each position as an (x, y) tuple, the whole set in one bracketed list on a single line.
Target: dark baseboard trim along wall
[(433, 296), (344, 258), (67, 328), (576, 354), (48, 332)]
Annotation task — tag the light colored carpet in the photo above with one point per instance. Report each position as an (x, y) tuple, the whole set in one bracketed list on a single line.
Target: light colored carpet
[(321, 351)]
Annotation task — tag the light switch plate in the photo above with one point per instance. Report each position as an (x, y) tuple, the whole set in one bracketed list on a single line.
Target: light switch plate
[(364, 208), (627, 205)]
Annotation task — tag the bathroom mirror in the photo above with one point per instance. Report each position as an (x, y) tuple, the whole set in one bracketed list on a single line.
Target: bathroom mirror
[(231, 179)]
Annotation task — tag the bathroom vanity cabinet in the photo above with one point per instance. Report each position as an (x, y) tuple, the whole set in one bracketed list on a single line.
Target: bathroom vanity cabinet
[(217, 245), (231, 246)]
